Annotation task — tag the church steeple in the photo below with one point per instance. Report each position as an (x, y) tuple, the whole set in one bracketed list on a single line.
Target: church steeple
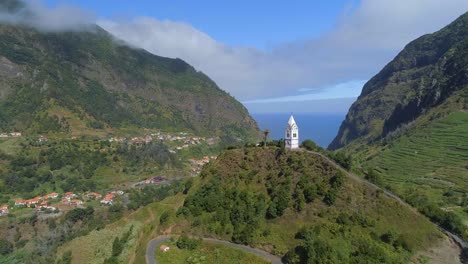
[(291, 137), (291, 121)]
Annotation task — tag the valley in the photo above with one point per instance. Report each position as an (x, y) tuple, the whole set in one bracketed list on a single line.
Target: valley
[(111, 153)]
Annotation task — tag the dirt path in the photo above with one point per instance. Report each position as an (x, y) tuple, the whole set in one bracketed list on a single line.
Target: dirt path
[(151, 249), (446, 251)]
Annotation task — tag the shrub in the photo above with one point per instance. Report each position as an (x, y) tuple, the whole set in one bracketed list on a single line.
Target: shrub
[(184, 242)]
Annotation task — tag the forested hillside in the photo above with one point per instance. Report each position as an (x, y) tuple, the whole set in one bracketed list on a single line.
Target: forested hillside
[(300, 206), (69, 81)]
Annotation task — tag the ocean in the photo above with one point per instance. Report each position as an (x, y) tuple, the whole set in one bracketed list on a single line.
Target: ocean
[(321, 128)]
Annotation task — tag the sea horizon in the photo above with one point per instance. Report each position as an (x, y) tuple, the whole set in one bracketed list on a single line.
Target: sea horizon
[(319, 127)]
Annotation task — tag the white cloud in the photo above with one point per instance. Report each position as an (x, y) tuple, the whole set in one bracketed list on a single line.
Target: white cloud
[(350, 89), (241, 71), (59, 18), (365, 38)]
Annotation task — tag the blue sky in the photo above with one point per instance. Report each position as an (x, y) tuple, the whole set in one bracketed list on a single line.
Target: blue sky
[(259, 24), (289, 56)]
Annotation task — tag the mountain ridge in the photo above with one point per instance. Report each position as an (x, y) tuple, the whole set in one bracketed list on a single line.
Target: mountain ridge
[(109, 84), (422, 76)]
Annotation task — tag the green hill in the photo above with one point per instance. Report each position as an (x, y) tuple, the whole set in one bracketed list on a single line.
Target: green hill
[(64, 81), (408, 129), (300, 206)]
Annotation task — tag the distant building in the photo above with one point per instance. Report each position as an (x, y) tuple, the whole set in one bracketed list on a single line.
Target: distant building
[(164, 248), (108, 199), (50, 196), (291, 136), (76, 202), (4, 210), (94, 195), (20, 202)]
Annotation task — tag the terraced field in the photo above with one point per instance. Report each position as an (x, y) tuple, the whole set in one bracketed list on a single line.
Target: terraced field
[(432, 161)]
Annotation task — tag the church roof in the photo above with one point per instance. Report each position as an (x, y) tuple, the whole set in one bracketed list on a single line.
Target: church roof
[(292, 122)]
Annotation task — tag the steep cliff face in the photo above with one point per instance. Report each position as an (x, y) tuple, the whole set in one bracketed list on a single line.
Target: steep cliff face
[(107, 84), (427, 72)]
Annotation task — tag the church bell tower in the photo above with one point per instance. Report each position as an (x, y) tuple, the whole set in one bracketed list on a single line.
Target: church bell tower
[(291, 136)]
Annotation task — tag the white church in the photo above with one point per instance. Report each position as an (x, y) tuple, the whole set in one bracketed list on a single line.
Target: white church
[(291, 136)]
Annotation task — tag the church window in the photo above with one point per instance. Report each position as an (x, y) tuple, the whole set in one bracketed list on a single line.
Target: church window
[(294, 135), (287, 135)]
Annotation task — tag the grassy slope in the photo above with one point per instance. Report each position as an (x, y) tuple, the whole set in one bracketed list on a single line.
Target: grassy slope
[(99, 82), (207, 253), (430, 160), (422, 76), (97, 246), (278, 235)]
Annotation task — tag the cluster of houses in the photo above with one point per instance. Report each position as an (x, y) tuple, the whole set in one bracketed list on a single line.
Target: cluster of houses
[(196, 165), (182, 139), (68, 198), (10, 135), (135, 140), (38, 202)]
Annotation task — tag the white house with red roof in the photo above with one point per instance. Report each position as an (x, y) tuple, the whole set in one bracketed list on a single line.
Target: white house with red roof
[(94, 195), (20, 202), (76, 202), (108, 199), (50, 196)]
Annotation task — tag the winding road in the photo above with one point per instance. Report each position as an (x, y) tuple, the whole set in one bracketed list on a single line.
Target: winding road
[(153, 244)]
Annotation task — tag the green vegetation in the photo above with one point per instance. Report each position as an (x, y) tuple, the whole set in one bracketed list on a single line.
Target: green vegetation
[(78, 165), (118, 246), (206, 253), (321, 245), (184, 242), (269, 198), (427, 72), (432, 177), (407, 131), (78, 89), (69, 80)]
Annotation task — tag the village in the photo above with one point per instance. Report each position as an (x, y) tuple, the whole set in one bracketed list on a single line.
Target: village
[(181, 140), (54, 202)]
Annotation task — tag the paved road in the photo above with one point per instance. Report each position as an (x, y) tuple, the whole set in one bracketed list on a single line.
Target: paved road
[(152, 245), (461, 243)]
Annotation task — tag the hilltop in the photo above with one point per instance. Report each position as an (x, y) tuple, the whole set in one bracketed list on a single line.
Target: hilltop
[(300, 206), (86, 80)]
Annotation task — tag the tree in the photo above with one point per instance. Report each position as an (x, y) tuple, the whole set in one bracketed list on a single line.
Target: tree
[(310, 145), (330, 197), (163, 218), (184, 242), (265, 136)]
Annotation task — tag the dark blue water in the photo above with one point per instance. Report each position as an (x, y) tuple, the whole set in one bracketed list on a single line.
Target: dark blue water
[(321, 128)]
